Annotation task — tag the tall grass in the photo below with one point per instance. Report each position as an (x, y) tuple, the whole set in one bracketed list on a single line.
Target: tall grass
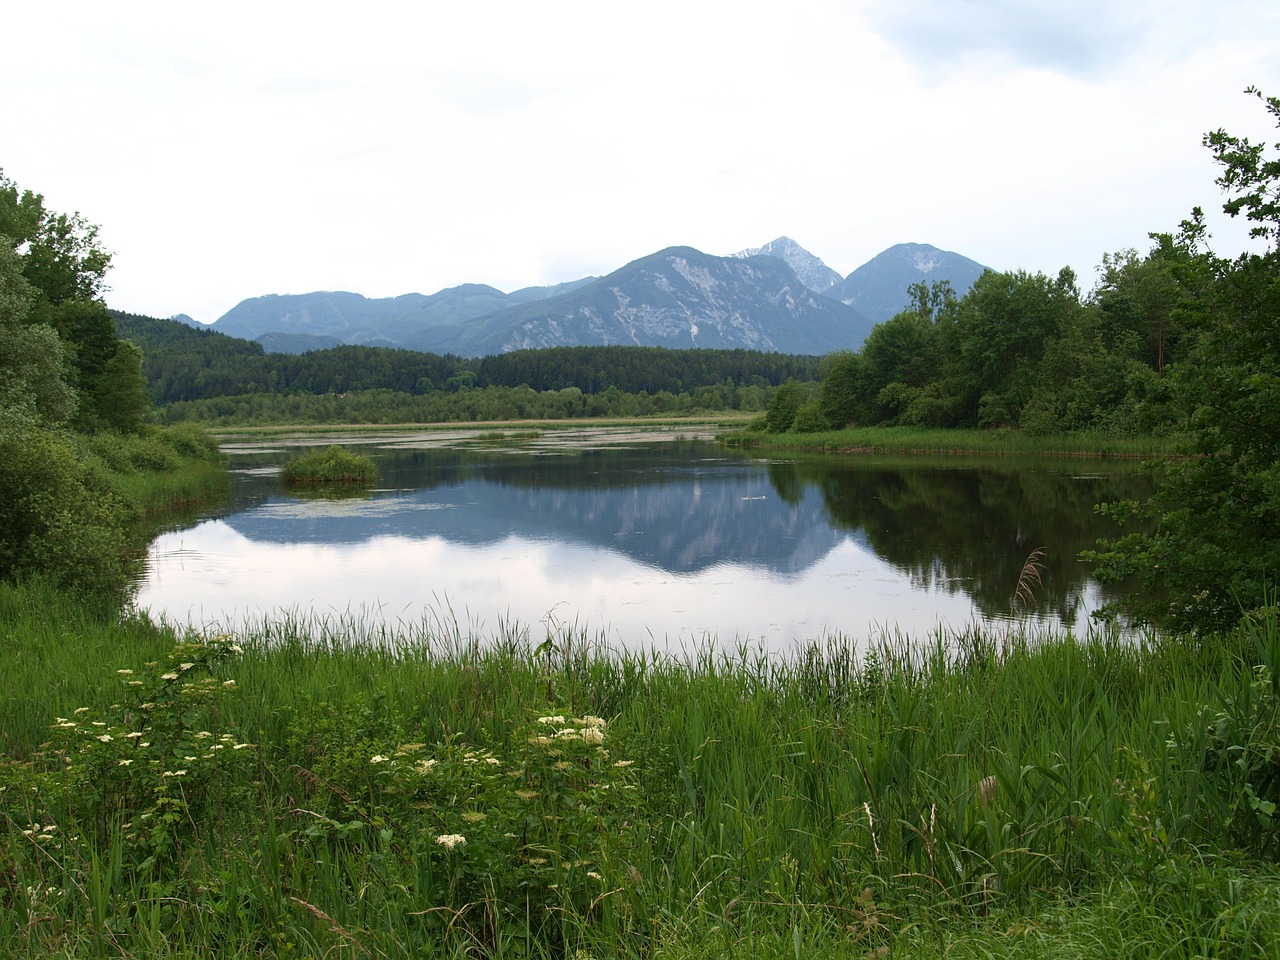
[(919, 796), (952, 441)]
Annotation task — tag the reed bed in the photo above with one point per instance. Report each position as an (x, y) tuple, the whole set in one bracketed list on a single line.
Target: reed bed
[(353, 789), (916, 440)]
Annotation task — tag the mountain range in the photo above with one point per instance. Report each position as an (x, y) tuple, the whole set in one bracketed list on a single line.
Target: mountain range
[(779, 298)]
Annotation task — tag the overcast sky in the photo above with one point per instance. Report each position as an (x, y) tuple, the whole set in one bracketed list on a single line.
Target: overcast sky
[(237, 149)]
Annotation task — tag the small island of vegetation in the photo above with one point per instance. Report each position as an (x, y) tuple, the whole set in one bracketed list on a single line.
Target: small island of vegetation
[(332, 466)]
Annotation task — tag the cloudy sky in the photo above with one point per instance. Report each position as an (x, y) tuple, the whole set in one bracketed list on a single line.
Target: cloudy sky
[(237, 149)]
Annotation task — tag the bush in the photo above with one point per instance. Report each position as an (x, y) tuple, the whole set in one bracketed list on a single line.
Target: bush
[(809, 419), (56, 516)]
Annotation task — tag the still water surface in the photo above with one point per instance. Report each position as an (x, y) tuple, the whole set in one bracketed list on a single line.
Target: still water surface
[(644, 538)]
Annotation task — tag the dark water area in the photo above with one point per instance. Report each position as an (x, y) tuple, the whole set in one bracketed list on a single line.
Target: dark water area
[(645, 538)]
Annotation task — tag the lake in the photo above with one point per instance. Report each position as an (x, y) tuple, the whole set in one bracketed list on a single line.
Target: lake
[(645, 538)]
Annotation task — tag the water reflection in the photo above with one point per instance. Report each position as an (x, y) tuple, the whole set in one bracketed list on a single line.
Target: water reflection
[(969, 525), (646, 540)]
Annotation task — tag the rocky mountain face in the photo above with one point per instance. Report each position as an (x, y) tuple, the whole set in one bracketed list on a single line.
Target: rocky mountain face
[(813, 273), (879, 287), (678, 297), (778, 297)]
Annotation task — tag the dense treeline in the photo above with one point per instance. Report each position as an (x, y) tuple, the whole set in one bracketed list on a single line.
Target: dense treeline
[(1022, 350), (182, 363), (482, 404)]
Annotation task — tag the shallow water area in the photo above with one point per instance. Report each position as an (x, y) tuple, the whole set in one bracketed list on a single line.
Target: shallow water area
[(639, 538)]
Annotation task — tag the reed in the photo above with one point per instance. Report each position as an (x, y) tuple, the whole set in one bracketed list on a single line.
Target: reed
[(1004, 442), (913, 795)]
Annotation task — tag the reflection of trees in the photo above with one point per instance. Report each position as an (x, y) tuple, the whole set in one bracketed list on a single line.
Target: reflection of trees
[(971, 528)]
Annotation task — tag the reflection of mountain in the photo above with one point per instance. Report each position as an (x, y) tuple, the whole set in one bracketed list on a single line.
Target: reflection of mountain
[(964, 525), (678, 518), (971, 526)]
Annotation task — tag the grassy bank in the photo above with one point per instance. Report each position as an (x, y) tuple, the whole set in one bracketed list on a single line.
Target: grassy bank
[(435, 793), (159, 471), (990, 442)]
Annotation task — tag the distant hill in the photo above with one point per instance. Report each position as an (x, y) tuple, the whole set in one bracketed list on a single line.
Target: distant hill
[(879, 287), (404, 321)]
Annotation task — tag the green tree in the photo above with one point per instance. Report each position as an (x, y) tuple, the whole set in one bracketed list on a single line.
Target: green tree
[(1214, 549), (63, 262), (784, 403), (31, 355), (120, 390), (63, 258), (1002, 328), (839, 396)]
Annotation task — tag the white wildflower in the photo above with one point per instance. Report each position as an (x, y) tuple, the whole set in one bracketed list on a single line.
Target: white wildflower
[(451, 840)]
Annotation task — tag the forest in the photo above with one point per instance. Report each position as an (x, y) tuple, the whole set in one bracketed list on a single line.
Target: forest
[(205, 376)]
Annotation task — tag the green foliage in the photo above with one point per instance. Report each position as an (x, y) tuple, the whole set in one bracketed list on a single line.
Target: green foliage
[(148, 768), (31, 355), (809, 418), (63, 258), (119, 391), (332, 465), (68, 504), (1215, 547), (786, 401), (57, 518)]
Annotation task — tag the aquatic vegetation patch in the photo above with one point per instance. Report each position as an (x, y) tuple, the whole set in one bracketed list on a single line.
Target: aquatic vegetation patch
[(334, 465)]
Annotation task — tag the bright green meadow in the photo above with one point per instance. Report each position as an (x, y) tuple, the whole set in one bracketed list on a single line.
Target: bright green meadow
[(433, 793)]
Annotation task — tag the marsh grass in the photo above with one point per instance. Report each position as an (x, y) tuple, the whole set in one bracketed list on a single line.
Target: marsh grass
[(972, 794), (916, 440), (334, 465)]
